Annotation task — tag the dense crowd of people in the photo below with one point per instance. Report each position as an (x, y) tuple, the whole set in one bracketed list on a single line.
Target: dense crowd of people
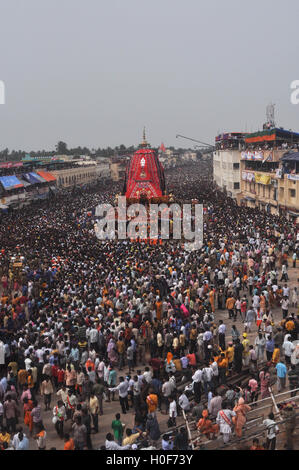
[(84, 322)]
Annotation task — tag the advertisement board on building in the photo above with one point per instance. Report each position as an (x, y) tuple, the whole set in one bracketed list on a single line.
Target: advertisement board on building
[(248, 176), (293, 177), (262, 178)]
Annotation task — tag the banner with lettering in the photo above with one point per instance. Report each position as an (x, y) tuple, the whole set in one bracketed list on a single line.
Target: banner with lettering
[(262, 178), (293, 177), (258, 155)]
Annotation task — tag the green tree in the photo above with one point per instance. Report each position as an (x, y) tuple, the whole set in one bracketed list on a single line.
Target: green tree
[(61, 148)]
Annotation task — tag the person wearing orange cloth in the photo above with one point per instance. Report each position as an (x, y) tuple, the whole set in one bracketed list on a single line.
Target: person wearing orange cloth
[(30, 383), (89, 363), (230, 304), (212, 299), (169, 366), (27, 408), (240, 419), (68, 443), (192, 359), (222, 367), (152, 402), (262, 304), (229, 354), (275, 355), (206, 427), (256, 445), (169, 357)]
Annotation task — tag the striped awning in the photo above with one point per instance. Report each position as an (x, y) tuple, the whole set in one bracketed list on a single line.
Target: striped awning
[(46, 175), (33, 178)]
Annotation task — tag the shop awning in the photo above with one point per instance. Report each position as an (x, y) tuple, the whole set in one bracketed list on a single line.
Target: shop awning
[(24, 182), (11, 164), (10, 182), (46, 175), (290, 157), (34, 178)]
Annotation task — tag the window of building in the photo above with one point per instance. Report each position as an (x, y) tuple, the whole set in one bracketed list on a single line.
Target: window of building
[(236, 185), (292, 192), (236, 166)]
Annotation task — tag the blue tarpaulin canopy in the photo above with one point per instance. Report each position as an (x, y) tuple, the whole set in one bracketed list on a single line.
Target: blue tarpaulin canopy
[(10, 182), (33, 178), (24, 182)]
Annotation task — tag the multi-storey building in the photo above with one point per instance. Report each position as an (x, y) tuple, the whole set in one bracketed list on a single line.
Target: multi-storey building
[(269, 171), (288, 185), (226, 162), (118, 168), (103, 168), (75, 174)]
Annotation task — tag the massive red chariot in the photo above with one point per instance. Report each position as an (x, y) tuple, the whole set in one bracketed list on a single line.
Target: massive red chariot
[(144, 180)]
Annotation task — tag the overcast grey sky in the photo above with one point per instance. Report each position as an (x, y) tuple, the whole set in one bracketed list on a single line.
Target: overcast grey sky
[(94, 72)]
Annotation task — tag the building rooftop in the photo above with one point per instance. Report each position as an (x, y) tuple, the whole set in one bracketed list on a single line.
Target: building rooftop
[(290, 157), (278, 135)]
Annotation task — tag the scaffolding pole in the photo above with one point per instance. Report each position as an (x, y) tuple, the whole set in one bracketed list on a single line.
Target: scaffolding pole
[(188, 430)]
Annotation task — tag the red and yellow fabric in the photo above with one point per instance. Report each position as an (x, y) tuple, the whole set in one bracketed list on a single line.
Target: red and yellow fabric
[(46, 175)]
